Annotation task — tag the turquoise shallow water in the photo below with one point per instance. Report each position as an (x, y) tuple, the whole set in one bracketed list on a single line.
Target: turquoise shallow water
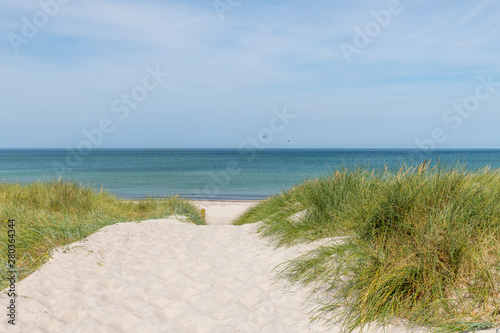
[(211, 173)]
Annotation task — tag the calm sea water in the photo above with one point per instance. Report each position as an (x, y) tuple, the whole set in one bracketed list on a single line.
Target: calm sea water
[(211, 173)]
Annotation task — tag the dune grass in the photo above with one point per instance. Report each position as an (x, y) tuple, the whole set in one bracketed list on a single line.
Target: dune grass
[(416, 246), (57, 213)]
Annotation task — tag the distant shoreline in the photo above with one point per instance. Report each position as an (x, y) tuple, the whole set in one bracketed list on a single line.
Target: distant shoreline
[(205, 200), (196, 199)]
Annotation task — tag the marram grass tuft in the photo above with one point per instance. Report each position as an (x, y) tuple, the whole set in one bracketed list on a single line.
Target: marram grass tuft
[(419, 245)]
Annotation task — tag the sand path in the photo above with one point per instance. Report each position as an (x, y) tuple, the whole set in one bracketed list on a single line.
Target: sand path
[(223, 212), (162, 276)]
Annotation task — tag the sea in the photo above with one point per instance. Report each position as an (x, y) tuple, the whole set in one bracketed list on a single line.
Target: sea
[(214, 174)]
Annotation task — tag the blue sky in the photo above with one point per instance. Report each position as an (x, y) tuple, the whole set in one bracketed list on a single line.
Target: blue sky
[(229, 69)]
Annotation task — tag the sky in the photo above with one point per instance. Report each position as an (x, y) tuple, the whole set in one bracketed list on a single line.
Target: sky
[(249, 73)]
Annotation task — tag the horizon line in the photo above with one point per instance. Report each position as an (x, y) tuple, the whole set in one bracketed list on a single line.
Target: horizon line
[(235, 148)]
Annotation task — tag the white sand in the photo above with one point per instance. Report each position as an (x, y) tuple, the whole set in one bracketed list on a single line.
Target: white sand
[(223, 212), (163, 276)]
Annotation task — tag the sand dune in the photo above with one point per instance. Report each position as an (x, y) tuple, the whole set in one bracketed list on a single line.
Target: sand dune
[(164, 276)]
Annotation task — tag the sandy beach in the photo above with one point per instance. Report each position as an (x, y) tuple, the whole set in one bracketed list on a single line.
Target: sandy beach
[(166, 276), (223, 212)]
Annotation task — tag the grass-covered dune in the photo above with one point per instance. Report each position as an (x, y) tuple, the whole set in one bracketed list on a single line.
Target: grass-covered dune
[(57, 213), (418, 246)]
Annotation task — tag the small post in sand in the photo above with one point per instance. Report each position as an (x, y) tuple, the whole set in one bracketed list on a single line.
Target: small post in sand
[(203, 214)]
